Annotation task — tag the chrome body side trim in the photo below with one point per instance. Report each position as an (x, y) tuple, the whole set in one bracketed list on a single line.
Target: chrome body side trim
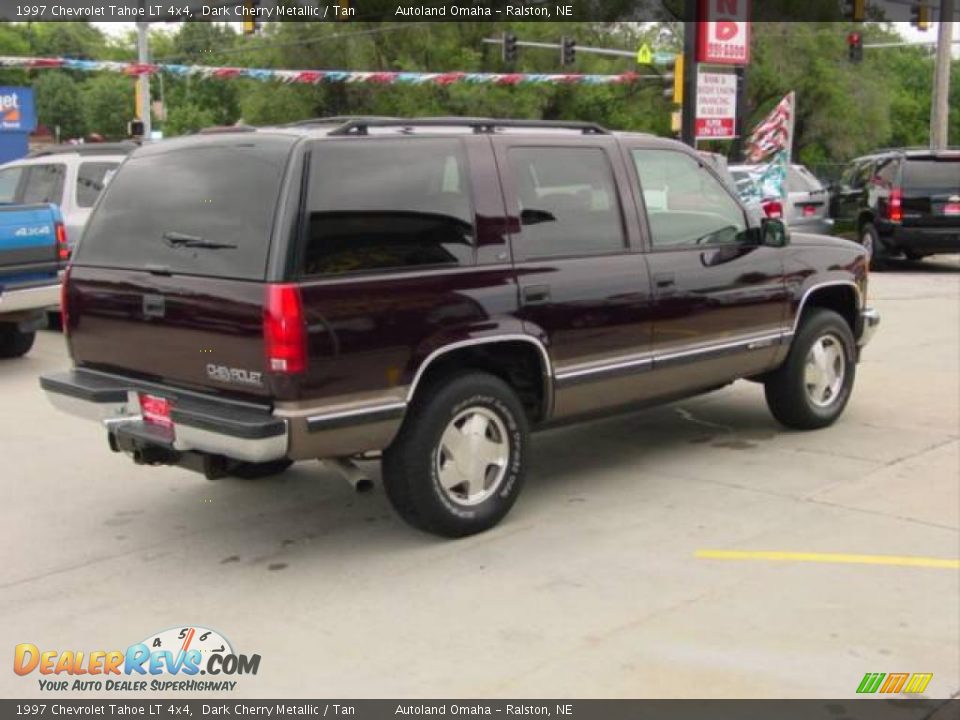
[(473, 342), (371, 413), (820, 286)]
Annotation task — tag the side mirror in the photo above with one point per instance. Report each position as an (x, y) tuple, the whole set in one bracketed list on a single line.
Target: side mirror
[(774, 233)]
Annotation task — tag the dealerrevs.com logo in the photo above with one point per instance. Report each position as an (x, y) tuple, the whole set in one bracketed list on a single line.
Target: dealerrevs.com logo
[(171, 660)]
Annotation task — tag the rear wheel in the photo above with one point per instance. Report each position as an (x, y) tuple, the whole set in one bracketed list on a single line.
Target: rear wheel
[(458, 463), (14, 343), (876, 253), (812, 387)]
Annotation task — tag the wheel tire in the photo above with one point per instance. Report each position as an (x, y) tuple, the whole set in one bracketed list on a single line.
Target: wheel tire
[(13, 343), (876, 253), (786, 389), (257, 471), (412, 463)]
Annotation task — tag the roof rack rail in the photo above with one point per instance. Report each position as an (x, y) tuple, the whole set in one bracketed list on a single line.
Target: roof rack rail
[(360, 126), (223, 129), (335, 120), (105, 148)]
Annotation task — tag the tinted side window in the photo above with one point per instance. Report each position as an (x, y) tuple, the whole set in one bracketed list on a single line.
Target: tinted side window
[(685, 204), (9, 182), (44, 184), (92, 177), (568, 202), (387, 204)]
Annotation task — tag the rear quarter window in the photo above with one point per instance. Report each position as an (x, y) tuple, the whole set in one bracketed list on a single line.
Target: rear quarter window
[(223, 193)]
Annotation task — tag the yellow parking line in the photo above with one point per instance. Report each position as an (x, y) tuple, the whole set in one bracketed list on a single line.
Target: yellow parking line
[(843, 558)]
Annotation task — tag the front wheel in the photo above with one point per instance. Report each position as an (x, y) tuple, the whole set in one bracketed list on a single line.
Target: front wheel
[(13, 343), (812, 387), (458, 463)]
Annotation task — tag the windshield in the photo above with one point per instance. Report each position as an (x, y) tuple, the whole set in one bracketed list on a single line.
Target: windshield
[(197, 210)]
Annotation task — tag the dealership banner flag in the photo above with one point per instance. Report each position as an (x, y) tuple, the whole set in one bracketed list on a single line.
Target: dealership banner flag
[(774, 133), (316, 77)]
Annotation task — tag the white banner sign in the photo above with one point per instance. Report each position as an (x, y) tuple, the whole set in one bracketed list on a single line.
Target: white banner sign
[(716, 105)]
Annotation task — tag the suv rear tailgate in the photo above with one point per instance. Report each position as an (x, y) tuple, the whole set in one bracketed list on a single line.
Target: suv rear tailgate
[(931, 192), (168, 282), (28, 243)]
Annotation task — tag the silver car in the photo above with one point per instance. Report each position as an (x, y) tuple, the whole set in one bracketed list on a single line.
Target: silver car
[(70, 176), (807, 206)]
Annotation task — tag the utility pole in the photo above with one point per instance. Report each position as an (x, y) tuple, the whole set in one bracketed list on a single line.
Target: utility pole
[(143, 55), (940, 107), (689, 111)]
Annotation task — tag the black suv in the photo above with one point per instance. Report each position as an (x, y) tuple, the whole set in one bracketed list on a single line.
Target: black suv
[(900, 202), (435, 289)]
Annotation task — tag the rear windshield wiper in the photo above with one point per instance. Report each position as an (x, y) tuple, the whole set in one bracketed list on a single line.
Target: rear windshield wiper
[(176, 239)]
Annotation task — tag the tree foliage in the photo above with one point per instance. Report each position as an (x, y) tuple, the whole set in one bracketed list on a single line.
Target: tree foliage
[(843, 109)]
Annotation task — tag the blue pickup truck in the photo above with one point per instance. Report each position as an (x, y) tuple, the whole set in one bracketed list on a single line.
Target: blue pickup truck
[(33, 249)]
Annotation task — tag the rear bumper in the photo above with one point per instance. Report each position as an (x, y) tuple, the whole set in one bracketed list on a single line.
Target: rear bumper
[(200, 423), (869, 322), (33, 297), (929, 240), (813, 226)]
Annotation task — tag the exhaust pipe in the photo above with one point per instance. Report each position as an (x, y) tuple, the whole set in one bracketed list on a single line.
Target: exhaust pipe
[(351, 473)]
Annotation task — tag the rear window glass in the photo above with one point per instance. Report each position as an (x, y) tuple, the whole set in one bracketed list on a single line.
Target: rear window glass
[(92, 177), (942, 175), (163, 209)]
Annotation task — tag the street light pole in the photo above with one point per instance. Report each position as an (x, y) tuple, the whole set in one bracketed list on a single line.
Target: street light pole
[(143, 55), (940, 106)]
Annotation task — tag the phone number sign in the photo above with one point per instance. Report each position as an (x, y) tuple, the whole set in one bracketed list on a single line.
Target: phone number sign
[(723, 35)]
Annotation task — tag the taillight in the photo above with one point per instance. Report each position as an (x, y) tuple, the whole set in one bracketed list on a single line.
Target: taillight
[(895, 205), (773, 209), (284, 330), (63, 249), (65, 302)]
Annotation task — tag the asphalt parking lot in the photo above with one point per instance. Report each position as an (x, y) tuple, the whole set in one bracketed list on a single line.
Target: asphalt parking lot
[(599, 584)]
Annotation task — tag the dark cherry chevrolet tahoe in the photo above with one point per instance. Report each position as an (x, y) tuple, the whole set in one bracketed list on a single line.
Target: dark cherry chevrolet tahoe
[(434, 289)]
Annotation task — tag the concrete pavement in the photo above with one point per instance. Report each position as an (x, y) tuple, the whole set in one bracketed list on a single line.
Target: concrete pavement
[(590, 588)]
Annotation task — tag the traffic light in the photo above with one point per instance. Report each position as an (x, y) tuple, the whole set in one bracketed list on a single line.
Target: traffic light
[(855, 47), (855, 10), (674, 91), (509, 47), (920, 16), (568, 51), (251, 21)]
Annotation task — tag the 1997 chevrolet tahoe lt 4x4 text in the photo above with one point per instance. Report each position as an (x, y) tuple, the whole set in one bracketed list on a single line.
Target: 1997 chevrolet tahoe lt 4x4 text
[(434, 289)]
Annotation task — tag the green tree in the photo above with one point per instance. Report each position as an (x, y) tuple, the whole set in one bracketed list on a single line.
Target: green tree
[(59, 104), (108, 104), (271, 104), (185, 119)]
